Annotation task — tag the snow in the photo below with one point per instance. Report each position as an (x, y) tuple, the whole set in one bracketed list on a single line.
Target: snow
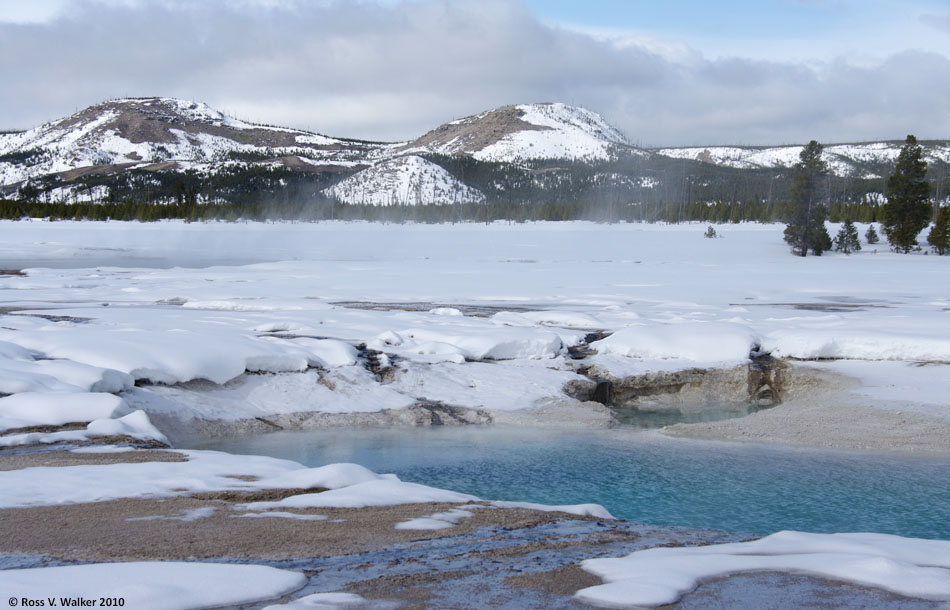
[(709, 342), (53, 409), (571, 133), (653, 577), (842, 159), (232, 322), (329, 601), (672, 300), (136, 425), (514, 385), (409, 180), (92, 137), (190, 514), (158, 585), (281, 514), (581, 510), (379, 492), (437, 521)]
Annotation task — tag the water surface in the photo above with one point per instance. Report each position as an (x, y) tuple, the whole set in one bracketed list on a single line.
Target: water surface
[(640, 475)]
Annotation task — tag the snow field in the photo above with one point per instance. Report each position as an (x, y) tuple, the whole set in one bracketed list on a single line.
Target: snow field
[(670, 299)]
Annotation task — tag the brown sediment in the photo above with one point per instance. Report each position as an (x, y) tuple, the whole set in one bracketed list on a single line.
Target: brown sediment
[(563, 581), (58, 459), (91, 441), (102, 531)]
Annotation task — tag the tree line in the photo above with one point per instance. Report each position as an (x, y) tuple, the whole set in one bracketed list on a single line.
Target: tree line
[(907, 211), (635, 188)]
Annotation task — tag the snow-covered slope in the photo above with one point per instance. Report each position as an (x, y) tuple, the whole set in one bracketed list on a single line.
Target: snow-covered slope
[(529, 131), (124, 133), (408, 180), (856, 160)]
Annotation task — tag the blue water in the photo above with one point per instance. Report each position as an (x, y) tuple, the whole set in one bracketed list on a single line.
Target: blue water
[(642, 476)]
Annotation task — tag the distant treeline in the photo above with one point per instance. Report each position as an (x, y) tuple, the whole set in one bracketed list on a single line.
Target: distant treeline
[(632, 189), (721, 212)]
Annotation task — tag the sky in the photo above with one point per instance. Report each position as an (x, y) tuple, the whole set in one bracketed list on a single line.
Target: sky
[(671, 73)]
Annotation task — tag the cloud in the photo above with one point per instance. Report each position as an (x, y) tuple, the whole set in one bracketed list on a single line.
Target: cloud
[(396, 69), (938, 22)]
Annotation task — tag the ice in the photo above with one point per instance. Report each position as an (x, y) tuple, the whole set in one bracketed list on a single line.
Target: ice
[(157, 585), (658, 576)]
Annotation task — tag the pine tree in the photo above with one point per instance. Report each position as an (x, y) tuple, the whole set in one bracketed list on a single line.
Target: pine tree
[(847, 238), (806, 216), (710, 232), (908, 209), (939, 237), (820, 240), (871, 235)]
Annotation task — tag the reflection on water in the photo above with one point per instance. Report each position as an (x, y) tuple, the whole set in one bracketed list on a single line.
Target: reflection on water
[(645, 417), (642, 476)]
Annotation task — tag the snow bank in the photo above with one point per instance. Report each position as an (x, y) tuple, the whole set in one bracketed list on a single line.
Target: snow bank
[(508, 386), (380, 492), (169, 356), (701, 342), (19, 372), (476, 343), (55, 409), (351, 485), (135, 425), (857, 344), (906, 566), (157, 585), (328, 353)]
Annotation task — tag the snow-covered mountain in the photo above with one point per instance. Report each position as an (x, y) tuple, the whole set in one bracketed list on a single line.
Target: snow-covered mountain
[(162, 133), (529, 131), (850, 160), (408, 180)]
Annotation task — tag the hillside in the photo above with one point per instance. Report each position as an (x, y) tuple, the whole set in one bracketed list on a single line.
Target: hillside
[(163, 134), (530, 131), (408, 180), (863, 160), (550, 161)]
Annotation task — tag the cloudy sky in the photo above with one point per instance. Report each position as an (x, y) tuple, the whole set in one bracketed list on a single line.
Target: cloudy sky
[(677, 72)]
